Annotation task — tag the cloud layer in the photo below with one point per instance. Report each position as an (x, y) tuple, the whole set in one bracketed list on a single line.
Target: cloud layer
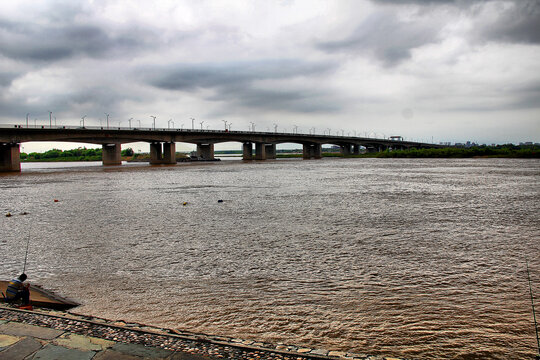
[(460, 70)]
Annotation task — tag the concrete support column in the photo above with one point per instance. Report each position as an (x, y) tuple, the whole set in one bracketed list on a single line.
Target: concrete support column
[(10, 157), (316, 151), (312, 151), (371, 149), (247, 151), (383, 148), (111, 154), (270, 151), (356, 149), (345, 149), (205, 151), (260, 151), (169, 153), (156, 154)]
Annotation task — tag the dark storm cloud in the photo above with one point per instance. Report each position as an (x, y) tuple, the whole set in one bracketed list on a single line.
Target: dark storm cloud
[(517, 24), (386, 37), (237, 82), (33, 42)]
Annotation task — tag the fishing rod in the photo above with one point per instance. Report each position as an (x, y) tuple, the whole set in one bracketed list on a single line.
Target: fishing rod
[(26, 254), (534, 314)]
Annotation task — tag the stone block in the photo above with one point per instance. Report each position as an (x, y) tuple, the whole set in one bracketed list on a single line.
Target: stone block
[(21, 350), (19, 329), (114, 355), (81, 342), (8, 340), (142, 351), (53, 352)]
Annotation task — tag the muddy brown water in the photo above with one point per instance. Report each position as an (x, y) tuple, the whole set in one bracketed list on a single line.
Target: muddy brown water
[(398, 257)]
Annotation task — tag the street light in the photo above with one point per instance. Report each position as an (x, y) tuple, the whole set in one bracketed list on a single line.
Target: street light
[(50, 118), (275, 128), (27, 114), (252, 126), (192, 123), (329, 131), (170, 121), (295, 129), (107, 120), (83, 120), (225, 122), (313, 130), (201, 124), (154, 123), (230, 126), (129, 121)]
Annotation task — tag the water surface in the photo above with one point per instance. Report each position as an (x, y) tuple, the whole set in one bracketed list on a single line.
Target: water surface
[(395, 257)]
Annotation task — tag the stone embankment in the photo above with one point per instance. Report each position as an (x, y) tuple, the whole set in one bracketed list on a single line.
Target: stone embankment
[(47, 333)]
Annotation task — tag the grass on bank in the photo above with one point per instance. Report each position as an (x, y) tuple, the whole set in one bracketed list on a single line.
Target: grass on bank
[(502, 151)]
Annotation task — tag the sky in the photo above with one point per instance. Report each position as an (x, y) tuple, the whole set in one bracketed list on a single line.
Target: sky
[(442, 71)]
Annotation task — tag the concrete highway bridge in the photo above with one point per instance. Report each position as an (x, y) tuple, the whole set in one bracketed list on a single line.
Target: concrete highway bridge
[(163, 142)]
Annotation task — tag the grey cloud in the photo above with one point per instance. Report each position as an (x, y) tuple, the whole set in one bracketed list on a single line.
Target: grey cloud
[(520, 23), (385, 37), (237, 82), (32, 42)]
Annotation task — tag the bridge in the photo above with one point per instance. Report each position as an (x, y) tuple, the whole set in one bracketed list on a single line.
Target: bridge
[(163, 142)]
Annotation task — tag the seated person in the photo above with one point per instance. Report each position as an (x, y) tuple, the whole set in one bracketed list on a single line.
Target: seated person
[(17, 289)]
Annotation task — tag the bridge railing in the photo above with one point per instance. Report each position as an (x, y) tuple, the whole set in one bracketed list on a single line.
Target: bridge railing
[(186, 130)]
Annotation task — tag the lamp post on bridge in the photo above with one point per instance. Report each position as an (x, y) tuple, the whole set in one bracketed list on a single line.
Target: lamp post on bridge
[(225, 122), (154, 123), (275, 128), (83, 120), (27, 114), (230, 126), (295, 129), (252, 126), (192, 123), (168, 123), (201, 124), (50, 118), (107, 120), (129, 121)]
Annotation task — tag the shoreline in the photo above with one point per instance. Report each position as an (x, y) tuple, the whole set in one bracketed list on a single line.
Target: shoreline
[(169, 339)]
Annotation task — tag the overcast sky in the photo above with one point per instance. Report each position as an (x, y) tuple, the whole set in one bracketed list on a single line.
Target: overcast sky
[(448, 70)]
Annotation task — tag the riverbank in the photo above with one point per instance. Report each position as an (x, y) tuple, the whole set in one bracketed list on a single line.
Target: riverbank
[(50, 332)]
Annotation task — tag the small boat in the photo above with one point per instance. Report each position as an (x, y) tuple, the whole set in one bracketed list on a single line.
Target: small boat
[(42, 298)]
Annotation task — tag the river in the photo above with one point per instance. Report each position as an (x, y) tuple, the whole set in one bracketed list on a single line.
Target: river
[(395, 257)]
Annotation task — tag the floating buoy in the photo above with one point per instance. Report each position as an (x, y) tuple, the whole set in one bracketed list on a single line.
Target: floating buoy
[(8, 214), (55, 200), (185, 203), (220, 201), (24, 213)]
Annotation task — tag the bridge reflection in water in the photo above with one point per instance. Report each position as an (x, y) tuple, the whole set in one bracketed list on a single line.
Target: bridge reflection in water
[(163, 142)]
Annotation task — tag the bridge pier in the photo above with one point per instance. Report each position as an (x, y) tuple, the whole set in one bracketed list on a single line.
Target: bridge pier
[(312, 151), (260, 151), (270, 151), (111, 154), (247, 151), (345, 149), (205, 151), (10, 157), (162, 153), (169, 153), (356, 150)]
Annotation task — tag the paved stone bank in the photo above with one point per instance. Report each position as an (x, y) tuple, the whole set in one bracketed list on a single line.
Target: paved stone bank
[(61, 331)]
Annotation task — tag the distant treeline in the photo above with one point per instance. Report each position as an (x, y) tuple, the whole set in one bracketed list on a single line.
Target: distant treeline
[(79, 154), (509, 151), (506, 151)]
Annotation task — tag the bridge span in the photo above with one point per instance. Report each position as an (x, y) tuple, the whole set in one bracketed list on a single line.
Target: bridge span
[(163, 142)]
